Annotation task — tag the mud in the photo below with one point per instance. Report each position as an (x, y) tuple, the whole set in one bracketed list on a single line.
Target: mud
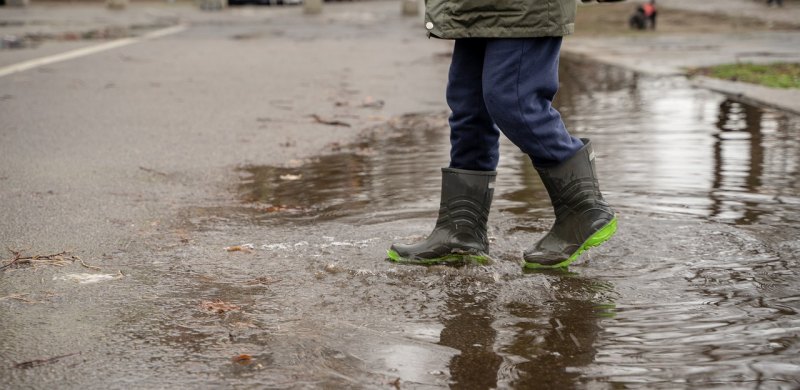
[(698, 289)]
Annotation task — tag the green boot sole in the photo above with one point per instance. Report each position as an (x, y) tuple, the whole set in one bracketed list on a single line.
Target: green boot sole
[(455, 258), (594, 240)]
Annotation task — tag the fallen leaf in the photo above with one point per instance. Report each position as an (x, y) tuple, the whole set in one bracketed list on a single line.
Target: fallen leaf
[(240, 248), (243, 359), (218, 306)]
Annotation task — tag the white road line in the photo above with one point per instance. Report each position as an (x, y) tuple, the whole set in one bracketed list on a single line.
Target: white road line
[(27, 65)]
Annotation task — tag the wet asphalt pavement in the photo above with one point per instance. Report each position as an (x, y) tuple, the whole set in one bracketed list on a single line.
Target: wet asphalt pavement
[(698, 289)]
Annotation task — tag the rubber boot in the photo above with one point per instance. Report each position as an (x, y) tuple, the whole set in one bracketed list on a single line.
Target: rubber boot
[(583, 218), (460, 232)]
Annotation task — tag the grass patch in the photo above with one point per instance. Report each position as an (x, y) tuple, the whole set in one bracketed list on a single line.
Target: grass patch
[(777, 75)]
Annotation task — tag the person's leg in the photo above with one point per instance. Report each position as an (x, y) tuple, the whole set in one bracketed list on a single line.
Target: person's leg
[(467, 185), (520, 80), (474, 141)]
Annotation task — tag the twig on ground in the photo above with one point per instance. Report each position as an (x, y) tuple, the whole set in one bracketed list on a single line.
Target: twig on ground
[(19, 297), (39, 362), (57, 259), (330, 122), (87, 265), (153, 171)]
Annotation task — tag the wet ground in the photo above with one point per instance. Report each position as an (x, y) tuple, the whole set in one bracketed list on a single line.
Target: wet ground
[(698, 289)]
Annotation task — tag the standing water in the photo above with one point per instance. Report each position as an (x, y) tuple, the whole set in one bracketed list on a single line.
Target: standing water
[(699, 287)]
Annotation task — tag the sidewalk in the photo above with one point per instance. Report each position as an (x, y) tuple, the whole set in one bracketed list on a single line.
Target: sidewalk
[(757, 9), (672, 54), (652, 53)]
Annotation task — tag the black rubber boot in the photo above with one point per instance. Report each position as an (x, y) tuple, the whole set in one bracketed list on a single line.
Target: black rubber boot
[(460, 232), (583, 218)]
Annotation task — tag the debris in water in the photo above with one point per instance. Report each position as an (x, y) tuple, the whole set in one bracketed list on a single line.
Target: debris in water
[(244, 325), (275, 208), (39, 362), (333, 268), (290, 177), (329, 122), (243, 359), (370, 102), (88, 278), (218, 306), (262, 280), (247, 248), (297, 163), (279, 246), (362, 272), (365, 152), (335, 146)]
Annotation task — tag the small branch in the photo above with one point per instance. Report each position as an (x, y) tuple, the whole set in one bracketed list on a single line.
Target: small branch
[(56, 259), (330, 122), (153, 171), (17, 256), (87, 265), (19, 297), (39, 362)]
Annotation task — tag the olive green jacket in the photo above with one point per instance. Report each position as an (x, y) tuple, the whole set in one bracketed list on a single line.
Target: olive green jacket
[(452, 19)]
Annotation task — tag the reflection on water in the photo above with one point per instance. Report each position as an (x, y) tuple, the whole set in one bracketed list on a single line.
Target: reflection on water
[(699, 288), (548, 341), (663, 149), (390, 166), (669, 149), (468, 328)]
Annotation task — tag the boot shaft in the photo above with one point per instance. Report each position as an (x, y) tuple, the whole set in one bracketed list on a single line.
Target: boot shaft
[(466, 199), (460, 232), (573, 184)]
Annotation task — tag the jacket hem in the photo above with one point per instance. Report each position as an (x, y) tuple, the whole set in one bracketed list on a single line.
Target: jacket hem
[(496, 32)]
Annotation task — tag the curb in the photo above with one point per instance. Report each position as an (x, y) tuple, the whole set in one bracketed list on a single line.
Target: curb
[(787, 100), (783, 99)]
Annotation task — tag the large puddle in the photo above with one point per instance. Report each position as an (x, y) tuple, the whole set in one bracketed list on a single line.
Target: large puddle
[(698, 289)]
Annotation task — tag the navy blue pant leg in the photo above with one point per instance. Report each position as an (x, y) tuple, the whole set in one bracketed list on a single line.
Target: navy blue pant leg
[(474, 140), (520, 80)]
